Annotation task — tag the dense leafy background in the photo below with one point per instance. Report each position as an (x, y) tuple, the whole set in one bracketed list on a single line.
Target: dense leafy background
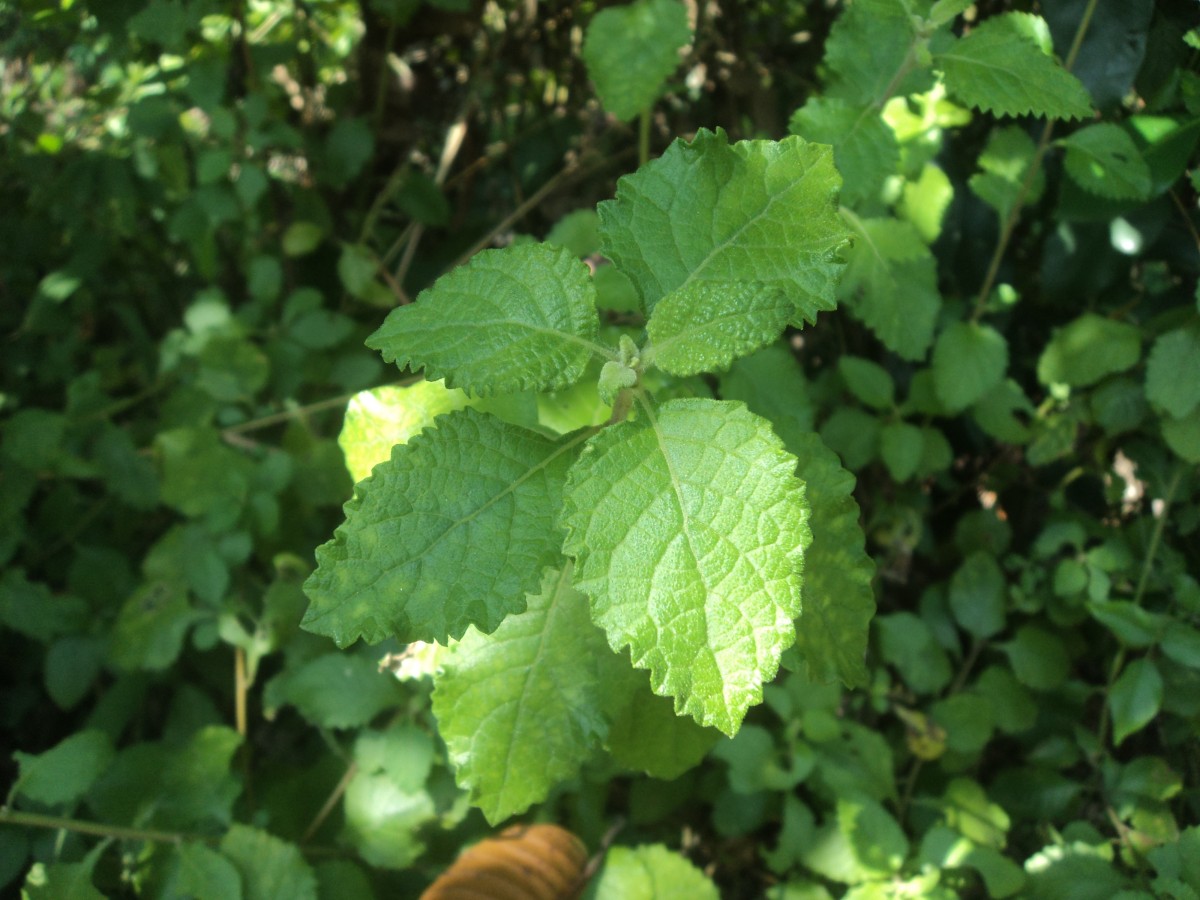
[(210, 207)]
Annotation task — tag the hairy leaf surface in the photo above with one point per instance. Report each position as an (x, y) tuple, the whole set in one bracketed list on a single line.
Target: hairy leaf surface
[(706, 325), (519, 318), (452, 531), (709, 210), (520, 709), (689, 527), (864, 147), (1001, 67)]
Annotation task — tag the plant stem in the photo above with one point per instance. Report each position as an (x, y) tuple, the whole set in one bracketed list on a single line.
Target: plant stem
[(79, 826), (330, 802), (644, 137), (1139, 593), (1035, 165)]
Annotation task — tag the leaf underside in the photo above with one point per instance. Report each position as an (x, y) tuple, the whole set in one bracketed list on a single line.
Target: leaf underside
[(520, 318), (761, 211), (452, 531), (688, 527)]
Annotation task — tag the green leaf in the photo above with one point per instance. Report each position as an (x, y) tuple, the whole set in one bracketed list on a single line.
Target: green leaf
[(908, 643), (520, 709), (651, 872), (689, 528), (151, 626), (1005, 164), (978, 594), (706, 325), (772, 384), (864, 147), (1103, 159), (1087, 350), (520, 318), (891, 285), (384, 817), (270, 867), (63, 881), (868, 381), (1001, 67), (901, 445), (969, 360), (452, 531), (837, 596), (644, 733), (1183, 436), (631, 50), (860, 78), (761, 211), (1135, 699), (873, 835), (196, 871), (1173, 371), (336, 690), (64, 772), (1038, 658), (925, 201)]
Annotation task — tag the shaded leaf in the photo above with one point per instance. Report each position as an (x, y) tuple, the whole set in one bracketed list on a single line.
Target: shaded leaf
[(270, 868), (1103, 159)]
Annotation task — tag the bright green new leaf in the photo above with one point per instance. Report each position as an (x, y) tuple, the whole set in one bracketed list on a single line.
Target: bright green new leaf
[(520, 318), (891, 285), (631, 50), (925, 201), (383, 818), (1103, 159), (452, 531), (864, 147), (873, 835), (762, 211), (1089, 349), (1135, 699), (705, 325), (1001, 67), (689, 528), (868, 381), (1173, 371), (969, 360), (63, 773), (651, 872), (378, 419), (270, 867), (520, 709), (945, 10)]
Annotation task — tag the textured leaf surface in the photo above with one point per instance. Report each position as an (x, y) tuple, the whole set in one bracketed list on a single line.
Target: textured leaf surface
[(706, 325), (523, 862), (838, 600), (710, 211), (864, 147), (520, 709), (689, 529), (891, 285), (452, 531), (968, 361), (630, 50), (519, 318), (1001, 68), (1103, 159)]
